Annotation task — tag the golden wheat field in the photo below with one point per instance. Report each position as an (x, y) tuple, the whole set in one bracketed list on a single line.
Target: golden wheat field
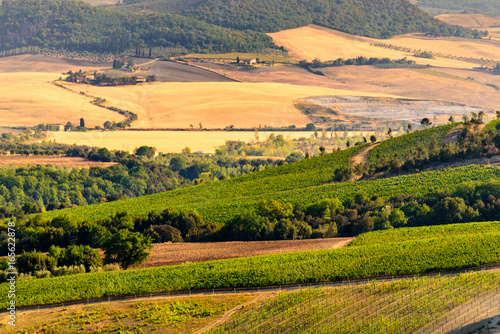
[(213, 104), (171, 141), (45, 64), (326, 44), (28, 99), (425, 84), (470, 20)]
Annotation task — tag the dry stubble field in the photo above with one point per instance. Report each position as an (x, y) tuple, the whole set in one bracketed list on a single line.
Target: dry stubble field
[(326, 44), (25, 160), (213, 104), (166, 254), (29, 99)]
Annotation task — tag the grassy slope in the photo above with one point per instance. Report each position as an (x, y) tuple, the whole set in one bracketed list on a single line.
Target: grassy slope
[(413, 256)]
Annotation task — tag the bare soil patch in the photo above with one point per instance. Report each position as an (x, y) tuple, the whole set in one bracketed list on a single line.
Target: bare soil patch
[(25, 160), (177, 253), (169, 71), (452, 135), (434, 84), (388, 108), (361, 156)]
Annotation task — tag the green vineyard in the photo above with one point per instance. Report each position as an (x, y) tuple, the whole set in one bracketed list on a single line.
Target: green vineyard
[(405, 306), (402, 145), (220, 201), (408, 257)]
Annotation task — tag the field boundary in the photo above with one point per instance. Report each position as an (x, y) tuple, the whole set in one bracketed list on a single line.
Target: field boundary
[(258, 289)]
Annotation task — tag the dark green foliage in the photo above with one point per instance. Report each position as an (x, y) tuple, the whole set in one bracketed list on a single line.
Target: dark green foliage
[(74, 25), (481, 6), (147, 151), (163, 233), (379, 19), (76, 255), (33, 261), (126, 248), (248, 227)]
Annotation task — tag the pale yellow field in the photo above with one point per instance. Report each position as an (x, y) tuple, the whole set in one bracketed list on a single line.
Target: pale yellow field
[(421, 84), (214, 105), (470, 20), (170, 141), (46, 64), (28, 99), (326, 44), (477, 21)]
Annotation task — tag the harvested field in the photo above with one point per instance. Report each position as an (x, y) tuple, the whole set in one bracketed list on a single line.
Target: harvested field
[(168, 71), (46, 64), (402, 109), (470, 20), (7, 130), (213, 104), (446, 84), (169, 141), (176, 253), (326, 44), (29, 99), (278, 58), (431, 84), (25, 160)]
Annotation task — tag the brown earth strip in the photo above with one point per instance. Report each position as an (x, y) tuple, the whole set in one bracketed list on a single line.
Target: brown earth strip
[(452, 135), (56, 160), (259, 297), (177, 253), (361, 156)]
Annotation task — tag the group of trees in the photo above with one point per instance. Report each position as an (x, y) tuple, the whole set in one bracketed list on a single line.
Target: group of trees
[(378, 19), (33, 189), (481, 6), (359, 61), (75, 25), (471, 143)]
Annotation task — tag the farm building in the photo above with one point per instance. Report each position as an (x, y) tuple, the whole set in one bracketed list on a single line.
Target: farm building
[(140, 79), (59, 127), (250, 61)]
